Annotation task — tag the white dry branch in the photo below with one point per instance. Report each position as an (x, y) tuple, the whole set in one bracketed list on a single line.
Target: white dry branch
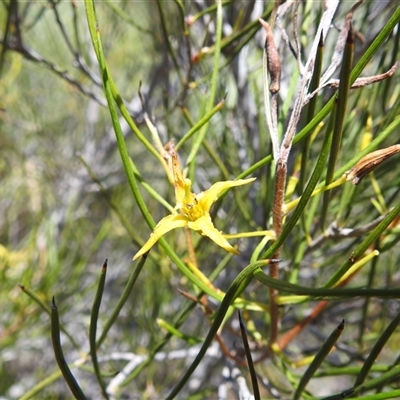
[(281, 151), (359, 82), (134, 360), (337, 56), (233, 377), (323, 28)]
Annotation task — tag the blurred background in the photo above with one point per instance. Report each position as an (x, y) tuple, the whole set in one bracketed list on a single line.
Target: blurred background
[(57, 225)]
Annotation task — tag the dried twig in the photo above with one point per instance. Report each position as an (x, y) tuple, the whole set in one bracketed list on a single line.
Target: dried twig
[(359, 82), (335, 232), (32, 55), (283, 9), (369, 162), (281, 170), (271, 65), (274, 61), (340, 45), (300, 65)]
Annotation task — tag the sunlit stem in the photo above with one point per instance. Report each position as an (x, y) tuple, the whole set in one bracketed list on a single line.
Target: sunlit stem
[(270, 234), (196, 271), (356, 266), (293, 299), (292, 204)]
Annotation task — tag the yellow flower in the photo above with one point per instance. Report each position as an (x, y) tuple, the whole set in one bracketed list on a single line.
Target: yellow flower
[(192, 210)]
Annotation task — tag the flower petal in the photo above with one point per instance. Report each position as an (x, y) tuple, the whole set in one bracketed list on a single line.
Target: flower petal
[(167, 224), (205, 226), (209, 196)]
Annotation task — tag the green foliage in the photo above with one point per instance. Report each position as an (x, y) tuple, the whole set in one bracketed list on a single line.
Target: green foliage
[(86, 174)]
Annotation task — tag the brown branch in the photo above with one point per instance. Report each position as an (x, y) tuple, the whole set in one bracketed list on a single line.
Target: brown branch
[(279, 194), (274, 61), (359, 82)]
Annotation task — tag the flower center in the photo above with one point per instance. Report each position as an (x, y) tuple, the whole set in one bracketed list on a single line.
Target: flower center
[(191, 209)]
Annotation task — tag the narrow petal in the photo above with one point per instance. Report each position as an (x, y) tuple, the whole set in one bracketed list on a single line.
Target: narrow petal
[(205, 226), (167, 224), (208, 197)]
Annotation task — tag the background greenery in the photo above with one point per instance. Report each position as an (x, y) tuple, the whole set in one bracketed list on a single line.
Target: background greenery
[(66, 205)]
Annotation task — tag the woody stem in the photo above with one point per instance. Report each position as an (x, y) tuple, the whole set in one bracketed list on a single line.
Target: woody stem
[(277, 212)]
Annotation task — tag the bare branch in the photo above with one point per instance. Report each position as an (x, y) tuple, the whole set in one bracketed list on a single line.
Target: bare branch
[(301, 94), (271, 64), (359, 83), (16, 44), (340, 44), (370, 162), (300, 65)]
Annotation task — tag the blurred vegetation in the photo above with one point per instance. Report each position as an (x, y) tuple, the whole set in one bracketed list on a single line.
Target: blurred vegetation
[(68, 202)]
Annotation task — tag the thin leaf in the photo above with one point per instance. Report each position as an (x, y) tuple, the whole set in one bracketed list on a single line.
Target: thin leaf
[(121, 301), (62, 364), (310, 112), (250, 363), (203, 121), (191, 340), (34, 392), (318, 359), (340, 114), (47, 309), (93, 327), (375, 351), (360, 250), (236, 287), (371, 384), (324, 293)]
